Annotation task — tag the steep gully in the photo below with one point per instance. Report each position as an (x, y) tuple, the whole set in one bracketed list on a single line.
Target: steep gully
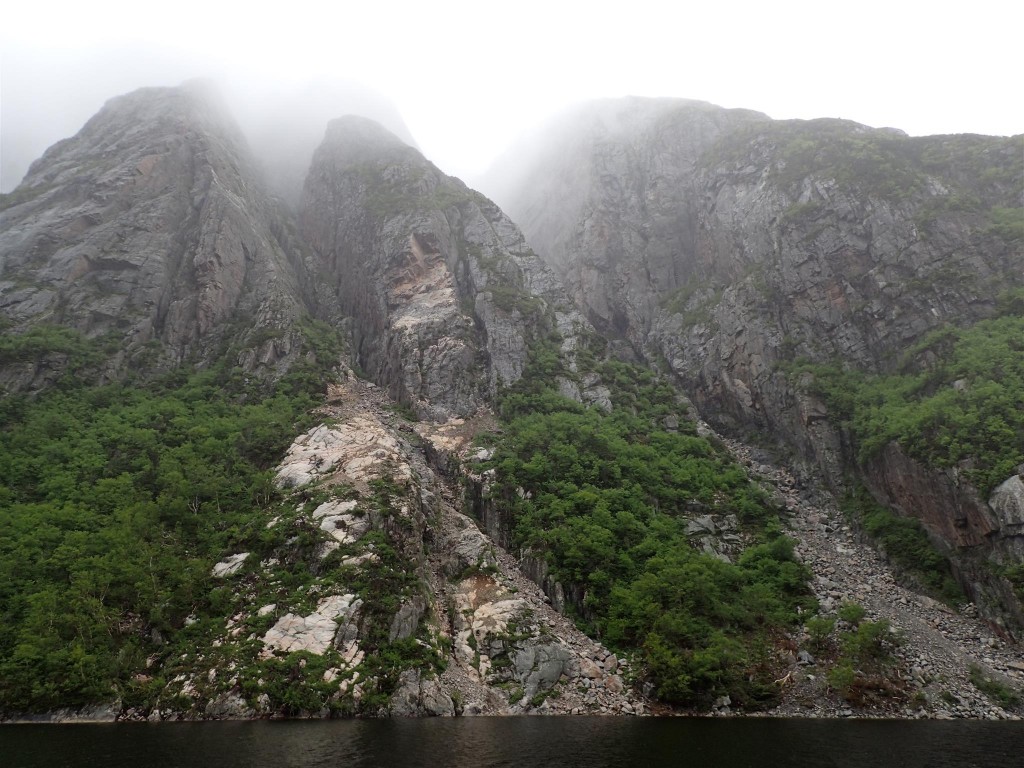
[(939, 646)]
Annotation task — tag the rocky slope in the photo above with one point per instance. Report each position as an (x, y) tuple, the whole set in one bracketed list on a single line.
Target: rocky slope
[(396, 569), (444, 292), (150, 228), (939, 649), (723, 246)]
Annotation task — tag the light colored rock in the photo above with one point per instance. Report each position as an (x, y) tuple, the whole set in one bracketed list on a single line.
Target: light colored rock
[(229, 565), (316, 632), (361, 448), (614, 684), (590, 669), (1007, 501), (336, 519)]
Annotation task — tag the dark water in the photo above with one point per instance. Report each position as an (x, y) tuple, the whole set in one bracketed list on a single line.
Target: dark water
[(523, 742)]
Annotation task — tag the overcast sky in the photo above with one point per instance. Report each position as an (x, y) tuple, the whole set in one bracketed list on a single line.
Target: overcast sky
[(469, 77)]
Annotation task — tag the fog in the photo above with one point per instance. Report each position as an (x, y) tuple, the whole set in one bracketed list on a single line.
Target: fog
[(463, 80)]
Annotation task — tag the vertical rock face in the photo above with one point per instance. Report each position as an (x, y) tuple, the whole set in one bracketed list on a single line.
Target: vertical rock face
[(611, 201), (724, 244), (149, 225), (443, 290), (734, 240)]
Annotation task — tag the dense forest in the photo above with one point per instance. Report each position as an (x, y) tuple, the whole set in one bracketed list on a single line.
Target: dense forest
[(607, 498), (118, 498)]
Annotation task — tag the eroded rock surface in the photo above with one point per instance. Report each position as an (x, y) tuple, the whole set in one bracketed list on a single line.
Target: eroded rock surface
[(317, 631), (151, 226), (444, 292)]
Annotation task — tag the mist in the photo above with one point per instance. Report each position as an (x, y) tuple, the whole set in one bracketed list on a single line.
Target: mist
[(464, 81), (284, 125)]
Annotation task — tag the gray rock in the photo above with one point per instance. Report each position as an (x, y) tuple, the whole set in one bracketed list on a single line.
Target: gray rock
[(539, 665), (151, 224), (443, 289), (472, 549), (700, 525), (407, 619), (686, 231), (416, 697), (229, 706)]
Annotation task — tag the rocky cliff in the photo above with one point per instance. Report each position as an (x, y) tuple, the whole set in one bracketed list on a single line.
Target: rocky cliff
[(723, 246), (149, 228), (444, 292)]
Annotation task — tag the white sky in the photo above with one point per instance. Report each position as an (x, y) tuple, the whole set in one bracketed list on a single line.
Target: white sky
[(469, 77)]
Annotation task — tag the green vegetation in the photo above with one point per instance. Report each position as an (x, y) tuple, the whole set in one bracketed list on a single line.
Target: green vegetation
[(967, 404), (117, 499), (1008, 223), (1015, 575), (907, 545), (861, 653), (878, 162), (1002, 694), (80, 356), (871, 161), (605, 498)]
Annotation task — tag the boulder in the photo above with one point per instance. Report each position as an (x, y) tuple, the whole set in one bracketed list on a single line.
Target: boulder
[(229, 565), (416, 697), (539, 665)]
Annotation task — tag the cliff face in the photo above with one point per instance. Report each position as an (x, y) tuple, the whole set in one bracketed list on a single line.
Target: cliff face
[(723, 246), (444, 293), (150, 226)]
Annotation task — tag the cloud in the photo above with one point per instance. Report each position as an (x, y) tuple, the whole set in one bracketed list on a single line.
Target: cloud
[(469, 77)]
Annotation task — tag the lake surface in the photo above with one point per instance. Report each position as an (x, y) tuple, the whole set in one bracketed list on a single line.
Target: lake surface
[(519, 742)]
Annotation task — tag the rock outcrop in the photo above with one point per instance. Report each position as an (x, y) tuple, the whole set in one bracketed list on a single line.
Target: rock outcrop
[(400, 570)]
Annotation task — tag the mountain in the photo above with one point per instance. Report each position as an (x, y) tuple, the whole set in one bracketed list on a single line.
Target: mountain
[(151, 228), (371, 450), (285, 125), (216, 490), (444, 293), (738, 253)]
